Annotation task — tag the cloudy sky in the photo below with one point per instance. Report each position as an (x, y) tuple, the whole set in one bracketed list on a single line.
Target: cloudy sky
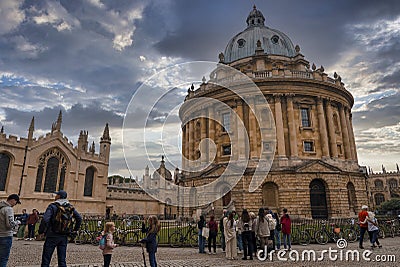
[(88, 58)]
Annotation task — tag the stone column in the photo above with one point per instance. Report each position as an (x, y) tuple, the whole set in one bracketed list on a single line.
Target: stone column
[(203, 136), (345, 133), (240, 132), (279, 127), (351, 134), (322, 127), (211, 131), (191, 140), (331, 130), (253, 128), (292, 127)]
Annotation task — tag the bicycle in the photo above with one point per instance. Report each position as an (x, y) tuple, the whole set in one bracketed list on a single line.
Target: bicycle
[(324, 235), (391, 227), (302, 237), (351, 234), (184, 235)]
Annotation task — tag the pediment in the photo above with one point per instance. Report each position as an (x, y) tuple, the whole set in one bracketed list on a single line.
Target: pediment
[(317, 166)]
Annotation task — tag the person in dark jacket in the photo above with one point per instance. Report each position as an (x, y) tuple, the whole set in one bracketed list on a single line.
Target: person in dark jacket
[(151, 238), (221, 229), (21, 230), (200, 225), (213, 226), (53, 239)]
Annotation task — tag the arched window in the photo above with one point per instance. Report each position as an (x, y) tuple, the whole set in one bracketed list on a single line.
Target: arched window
[(378, 184), (50, 181), (227, 196), (319, 207), (53, 168), (4, 165), (270, 196), (351, 195), (379, 198), (393, 184), (89, 177)]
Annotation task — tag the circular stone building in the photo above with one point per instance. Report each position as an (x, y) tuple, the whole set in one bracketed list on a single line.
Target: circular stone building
[(315, 172)]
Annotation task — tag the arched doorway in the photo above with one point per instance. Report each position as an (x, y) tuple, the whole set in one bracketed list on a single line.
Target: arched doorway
[(319, 208)]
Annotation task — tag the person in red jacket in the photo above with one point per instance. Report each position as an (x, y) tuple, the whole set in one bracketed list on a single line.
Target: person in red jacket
[(286, 229), (213, 225), (363, 224), (33, 218)]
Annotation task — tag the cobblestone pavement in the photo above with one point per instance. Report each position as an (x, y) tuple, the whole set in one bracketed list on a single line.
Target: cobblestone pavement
[(28, 253)]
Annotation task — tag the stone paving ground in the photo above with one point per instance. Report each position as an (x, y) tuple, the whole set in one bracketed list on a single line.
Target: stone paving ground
[(28, 253)]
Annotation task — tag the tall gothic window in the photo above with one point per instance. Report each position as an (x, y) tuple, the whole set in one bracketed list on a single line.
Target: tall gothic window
[(52, 168), (378, 184), (270, 195), (393, 184), (89, 177), (379, 198), (4, 164), (50, 182), (305, 117)]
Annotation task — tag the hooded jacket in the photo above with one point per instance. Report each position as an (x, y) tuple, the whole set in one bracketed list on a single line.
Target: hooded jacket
[(7, 222)]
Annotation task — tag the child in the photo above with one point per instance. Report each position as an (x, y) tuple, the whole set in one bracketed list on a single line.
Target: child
[(109, 229), (151, 239)]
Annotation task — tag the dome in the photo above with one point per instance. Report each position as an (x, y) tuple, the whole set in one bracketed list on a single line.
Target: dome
[(163, 171), (244, 44)]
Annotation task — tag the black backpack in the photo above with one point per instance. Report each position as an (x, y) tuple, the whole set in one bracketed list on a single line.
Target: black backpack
[(63, 222)]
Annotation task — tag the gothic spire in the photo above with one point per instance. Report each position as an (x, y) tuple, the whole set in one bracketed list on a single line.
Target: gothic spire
[(106, 134), (57, 125), (31, 129)]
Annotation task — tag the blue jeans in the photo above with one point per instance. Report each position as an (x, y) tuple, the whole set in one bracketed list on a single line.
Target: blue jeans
[(201, 243), (286, 240), (277, 239), (48, 248), (239, 242), (5, 247), (31, 231), (152, 259)]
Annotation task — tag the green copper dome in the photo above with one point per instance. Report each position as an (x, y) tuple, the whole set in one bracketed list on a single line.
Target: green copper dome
[(244, 43)]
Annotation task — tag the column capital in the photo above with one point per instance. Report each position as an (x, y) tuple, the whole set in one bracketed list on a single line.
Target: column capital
[(290, 95), (320, 99)]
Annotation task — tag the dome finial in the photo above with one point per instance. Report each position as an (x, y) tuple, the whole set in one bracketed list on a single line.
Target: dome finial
[(255, 18), (254, 6)]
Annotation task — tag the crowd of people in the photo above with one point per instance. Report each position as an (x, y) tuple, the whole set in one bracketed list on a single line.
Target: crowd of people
[(241, 234), (248, 234)]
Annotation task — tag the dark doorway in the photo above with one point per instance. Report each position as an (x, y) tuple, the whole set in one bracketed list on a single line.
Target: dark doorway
[(319, 208)]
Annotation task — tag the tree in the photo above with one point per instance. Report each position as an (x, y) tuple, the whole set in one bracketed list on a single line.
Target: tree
[(390, 205)]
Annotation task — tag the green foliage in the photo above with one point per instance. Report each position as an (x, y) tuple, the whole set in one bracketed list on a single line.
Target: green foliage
[(390, 205)]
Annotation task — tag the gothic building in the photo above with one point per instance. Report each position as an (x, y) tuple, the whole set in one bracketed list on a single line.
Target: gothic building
[(315, 171), (383, 186), (35, 168)]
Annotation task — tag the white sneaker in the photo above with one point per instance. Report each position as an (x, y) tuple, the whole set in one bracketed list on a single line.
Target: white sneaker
[(214, 253), (209, 253), (240, 252)]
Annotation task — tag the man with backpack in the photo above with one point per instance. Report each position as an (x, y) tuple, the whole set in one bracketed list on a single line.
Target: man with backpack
[(60, 220)]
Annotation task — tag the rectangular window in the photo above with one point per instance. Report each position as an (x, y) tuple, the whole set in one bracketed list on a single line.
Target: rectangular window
[(308, 146), (305, 117), (226, 150), (226, 122), (267, 147)]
